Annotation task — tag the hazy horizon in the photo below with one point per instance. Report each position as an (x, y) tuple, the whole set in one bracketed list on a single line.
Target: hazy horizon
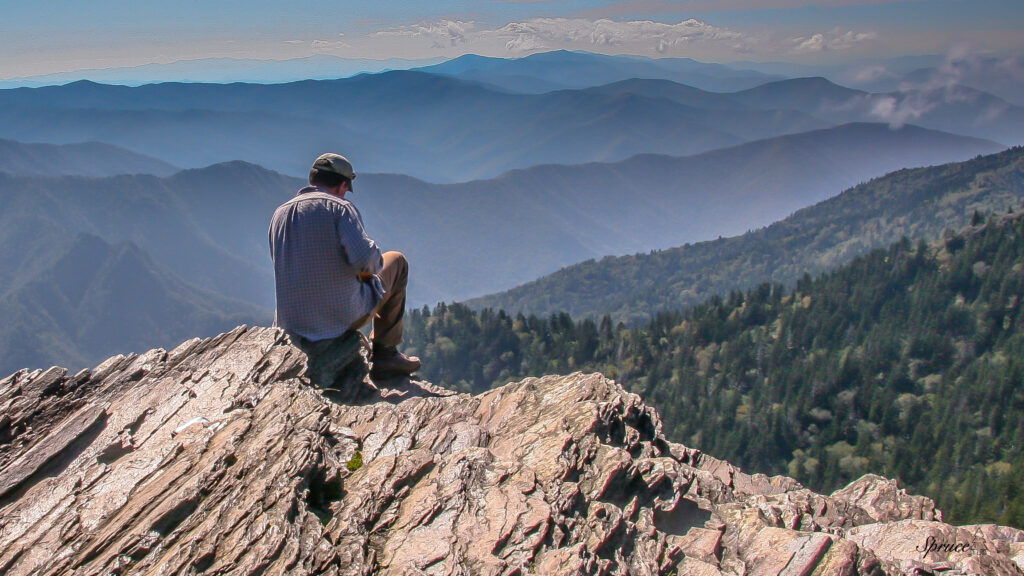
[(42, 40)]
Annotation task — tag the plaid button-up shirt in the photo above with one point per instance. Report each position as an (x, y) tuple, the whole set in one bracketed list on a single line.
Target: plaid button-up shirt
[(319, 249)]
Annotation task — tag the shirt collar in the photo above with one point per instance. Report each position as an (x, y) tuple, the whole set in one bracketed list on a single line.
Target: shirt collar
[(311, 189)]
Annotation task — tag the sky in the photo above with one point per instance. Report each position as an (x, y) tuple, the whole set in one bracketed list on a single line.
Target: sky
[(51, 36)]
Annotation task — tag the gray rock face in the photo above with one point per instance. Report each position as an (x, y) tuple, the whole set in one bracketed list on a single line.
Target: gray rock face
[(218, 458)]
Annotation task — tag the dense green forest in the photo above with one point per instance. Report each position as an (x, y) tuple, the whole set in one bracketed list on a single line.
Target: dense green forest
[(907, 362), (918, 203)]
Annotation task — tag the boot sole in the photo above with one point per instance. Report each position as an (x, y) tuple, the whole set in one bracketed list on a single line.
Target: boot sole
[(392, 371)]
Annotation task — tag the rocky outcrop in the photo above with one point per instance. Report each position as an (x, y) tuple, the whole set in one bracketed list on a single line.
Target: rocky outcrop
[(218, 458)]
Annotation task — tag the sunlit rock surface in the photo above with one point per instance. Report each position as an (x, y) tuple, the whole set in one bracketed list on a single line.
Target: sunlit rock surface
[(216, 458)]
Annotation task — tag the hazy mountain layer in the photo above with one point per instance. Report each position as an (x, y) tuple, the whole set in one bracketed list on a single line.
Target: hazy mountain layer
[(998, 76), (86, 159), (160, 259), (446, 129), (464, 238), (918, 203), (208, 226), (430, 126), (948, 107), (99, 299), (221, 70), (563, 69)]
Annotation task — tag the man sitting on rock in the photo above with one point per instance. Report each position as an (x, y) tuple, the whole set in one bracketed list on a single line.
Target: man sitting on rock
[(331, 278)]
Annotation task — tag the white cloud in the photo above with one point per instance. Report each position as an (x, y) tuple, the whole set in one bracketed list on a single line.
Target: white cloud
[(815, 43), (904, 107), (833, 40), (964, 70), (525, 43), (538, 34), (965, 62), (326, 45), (689, 37), (949, 84), (445, 33), (871, 73), (1012, 67), (320, 45), (583, 33), (899, 111)]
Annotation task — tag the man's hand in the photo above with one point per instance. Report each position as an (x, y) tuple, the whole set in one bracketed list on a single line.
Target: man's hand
[(364, 276)]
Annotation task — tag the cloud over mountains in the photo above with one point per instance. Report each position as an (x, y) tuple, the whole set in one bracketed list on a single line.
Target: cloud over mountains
[(632, 36), (835, 39)]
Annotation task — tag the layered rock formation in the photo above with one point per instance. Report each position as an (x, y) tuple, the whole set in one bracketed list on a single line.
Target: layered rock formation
[(217, 458)]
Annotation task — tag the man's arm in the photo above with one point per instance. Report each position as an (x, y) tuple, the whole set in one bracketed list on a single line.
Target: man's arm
[(362, 252)]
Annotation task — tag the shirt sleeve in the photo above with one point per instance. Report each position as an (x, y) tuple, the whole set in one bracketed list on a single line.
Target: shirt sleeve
[(362, 252)]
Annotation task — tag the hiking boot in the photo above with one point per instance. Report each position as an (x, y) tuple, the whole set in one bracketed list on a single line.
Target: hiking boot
[(391, 361)]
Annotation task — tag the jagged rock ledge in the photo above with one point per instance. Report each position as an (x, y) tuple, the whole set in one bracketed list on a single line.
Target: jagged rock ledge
[(216, 458)]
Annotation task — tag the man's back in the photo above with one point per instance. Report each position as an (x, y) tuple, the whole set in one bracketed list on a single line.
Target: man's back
[(319, 250)]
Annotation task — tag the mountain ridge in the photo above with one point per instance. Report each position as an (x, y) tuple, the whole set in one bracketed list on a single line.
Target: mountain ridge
[(456, 130), (96, 159), (838, 228), (660, 201), (222, 70), (565, 69)]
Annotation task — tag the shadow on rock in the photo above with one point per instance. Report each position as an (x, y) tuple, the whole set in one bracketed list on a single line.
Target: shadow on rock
[(399, 388), (340, 368), (394, 390)]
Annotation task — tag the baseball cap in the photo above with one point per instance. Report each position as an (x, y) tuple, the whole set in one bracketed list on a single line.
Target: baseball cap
[(335, 163)]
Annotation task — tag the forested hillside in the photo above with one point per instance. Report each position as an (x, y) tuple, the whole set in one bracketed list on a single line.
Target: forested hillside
[(907, 362), (916, 203)]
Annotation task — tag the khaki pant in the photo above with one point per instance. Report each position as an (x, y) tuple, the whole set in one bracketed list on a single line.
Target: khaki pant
[(390, 311)]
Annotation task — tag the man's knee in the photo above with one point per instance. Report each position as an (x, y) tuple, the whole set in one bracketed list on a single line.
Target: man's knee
[(394, 275), (397, 261), (395, 258)]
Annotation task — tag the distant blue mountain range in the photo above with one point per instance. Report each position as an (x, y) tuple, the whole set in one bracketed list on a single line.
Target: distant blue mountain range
[(446, 129)]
